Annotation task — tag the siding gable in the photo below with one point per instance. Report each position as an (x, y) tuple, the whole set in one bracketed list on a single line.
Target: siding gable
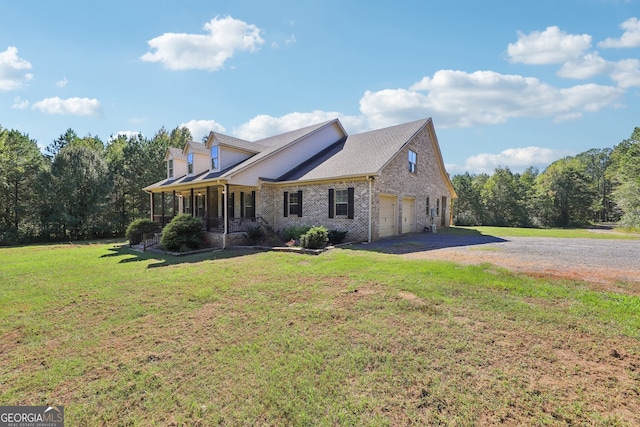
[(282, 160)]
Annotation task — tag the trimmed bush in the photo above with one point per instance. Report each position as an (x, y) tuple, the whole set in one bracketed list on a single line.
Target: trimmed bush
[(255, 234), (138, 227), (336, 236), (183, 233), (315, 238), (295, 232)]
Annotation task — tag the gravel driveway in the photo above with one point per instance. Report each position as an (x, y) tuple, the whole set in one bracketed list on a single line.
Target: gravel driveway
[(597, 260)]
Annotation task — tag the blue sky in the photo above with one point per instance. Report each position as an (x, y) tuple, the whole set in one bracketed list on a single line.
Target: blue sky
[(507, 83)]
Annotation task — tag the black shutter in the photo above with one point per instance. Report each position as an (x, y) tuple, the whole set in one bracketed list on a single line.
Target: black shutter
[(299, 202), (331, 208), (242, 204), (231, 203), (350, 194), (286, 204)]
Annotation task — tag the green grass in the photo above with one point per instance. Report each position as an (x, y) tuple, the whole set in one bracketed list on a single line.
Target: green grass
[(616, 234), (343, 338)]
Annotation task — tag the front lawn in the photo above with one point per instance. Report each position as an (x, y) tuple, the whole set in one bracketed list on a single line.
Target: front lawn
[(343, 338)]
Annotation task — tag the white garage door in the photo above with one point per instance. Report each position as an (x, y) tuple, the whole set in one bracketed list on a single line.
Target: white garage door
[(408, 215), (387, 223)]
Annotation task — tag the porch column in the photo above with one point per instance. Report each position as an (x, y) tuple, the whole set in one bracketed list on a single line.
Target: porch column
[(225, 194), (207, 212), (152, 207), (193, 204), (162, 208), (175, 203)]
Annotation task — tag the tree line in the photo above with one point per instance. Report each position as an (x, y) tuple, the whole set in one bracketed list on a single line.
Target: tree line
[(79, 187), (598, 185), (82, 188)]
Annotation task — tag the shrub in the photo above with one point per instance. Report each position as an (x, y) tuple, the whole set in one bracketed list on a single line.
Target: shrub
[(139, 227), (294, 232), (183, 233), (255, 234), (336, 236), (315, 238)]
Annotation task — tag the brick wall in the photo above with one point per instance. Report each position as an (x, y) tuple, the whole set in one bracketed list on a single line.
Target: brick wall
[(315, 208), (395, 180)]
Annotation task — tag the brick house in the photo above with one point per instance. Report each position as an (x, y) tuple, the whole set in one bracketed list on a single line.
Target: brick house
[(373, 184)]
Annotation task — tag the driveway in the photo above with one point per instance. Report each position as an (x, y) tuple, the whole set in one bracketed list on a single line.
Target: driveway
[(597, 260)]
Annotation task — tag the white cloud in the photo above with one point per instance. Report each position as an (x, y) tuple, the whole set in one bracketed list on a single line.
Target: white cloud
[(516, 159), (19, 104), (551, 46), (585, 67), (202, 128), (263, 126), (290, 40), (62, 83), (69, 106), (179, 51), (461, 99), (630, 37), (13, 70), (626, 73)]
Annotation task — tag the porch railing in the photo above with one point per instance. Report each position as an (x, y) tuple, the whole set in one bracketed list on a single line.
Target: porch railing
[(150, 239), (235, 224), (145, 240), (217, 223)]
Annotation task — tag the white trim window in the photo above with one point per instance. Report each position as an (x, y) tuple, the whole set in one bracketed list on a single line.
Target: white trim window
[(413, 160), (215, 164), (342, 202), (190, 164), (170, 168)]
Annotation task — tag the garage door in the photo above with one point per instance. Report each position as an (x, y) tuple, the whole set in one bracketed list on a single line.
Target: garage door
[(408, 215), (387, 223)]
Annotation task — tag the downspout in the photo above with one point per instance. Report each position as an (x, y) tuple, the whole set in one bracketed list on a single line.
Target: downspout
[(225, 195), (370, 206)]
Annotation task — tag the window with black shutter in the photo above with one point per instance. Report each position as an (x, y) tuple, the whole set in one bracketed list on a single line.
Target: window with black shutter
[(341, 203), (293, 203), (248, 204)]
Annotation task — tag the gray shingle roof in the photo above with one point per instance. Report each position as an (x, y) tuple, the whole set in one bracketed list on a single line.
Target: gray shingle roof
[(196, 147), (175, 153), (277, 142), (361, 154), (238, 143)]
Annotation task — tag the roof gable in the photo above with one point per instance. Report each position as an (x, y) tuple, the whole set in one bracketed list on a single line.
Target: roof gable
[(174, 153), (360, 154), (237, 143), (280, 142), (195, 147)]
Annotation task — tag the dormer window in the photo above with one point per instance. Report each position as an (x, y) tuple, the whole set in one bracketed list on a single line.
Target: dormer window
[(170, 168), (214, 158), (190, 164)]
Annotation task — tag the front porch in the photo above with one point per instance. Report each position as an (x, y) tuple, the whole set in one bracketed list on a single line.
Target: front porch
[(208, 203)]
